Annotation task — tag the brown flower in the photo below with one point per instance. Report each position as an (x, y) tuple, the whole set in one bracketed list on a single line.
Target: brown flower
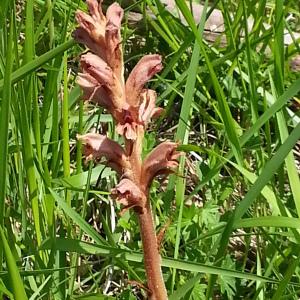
[(92, 28), (104, 76), (147, 108), (161, 160), (97, 146), (145, 69), (129, 195), (114, 53), (127, 123), (93, 91), (130, 119)]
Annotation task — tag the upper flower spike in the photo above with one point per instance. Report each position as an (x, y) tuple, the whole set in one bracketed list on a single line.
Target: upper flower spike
[(102, 34), (144, 70), (98, 146), (102, 78), (91, 31)]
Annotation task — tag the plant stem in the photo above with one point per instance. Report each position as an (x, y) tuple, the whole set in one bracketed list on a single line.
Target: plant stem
[(152, 257)]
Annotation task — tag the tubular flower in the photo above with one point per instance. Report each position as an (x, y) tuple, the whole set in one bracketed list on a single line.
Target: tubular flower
[(161, 160), (92, 28), (97, 146), (145, 69), (127, 124), (130, 119), (129, 195), (93, 91), (114, 53), (99, 72), (147, 108), (102, 34)]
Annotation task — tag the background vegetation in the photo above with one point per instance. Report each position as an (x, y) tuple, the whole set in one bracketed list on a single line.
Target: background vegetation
[(234, 204)]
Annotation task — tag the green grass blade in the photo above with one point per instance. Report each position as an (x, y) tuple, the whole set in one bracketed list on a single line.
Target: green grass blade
[(182, 134), (292, 266), (13, 272), (4, 125), (269, 221), (88, 248)]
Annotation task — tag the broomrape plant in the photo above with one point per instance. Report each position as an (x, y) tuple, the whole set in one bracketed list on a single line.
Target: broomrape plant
[(132, 107)]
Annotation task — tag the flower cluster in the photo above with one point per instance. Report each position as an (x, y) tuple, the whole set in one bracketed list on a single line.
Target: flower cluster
[(129, 102)]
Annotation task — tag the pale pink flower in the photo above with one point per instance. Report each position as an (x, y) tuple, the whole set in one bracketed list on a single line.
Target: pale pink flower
[(148, 109)]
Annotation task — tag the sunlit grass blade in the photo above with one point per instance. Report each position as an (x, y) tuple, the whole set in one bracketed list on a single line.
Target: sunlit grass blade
[(182, 134), (83, 247)]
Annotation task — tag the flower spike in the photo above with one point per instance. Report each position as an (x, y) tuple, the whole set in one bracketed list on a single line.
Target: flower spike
[(132, 106)]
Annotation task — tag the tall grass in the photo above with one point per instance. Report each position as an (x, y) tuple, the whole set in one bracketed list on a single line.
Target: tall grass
[(234, 203)]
